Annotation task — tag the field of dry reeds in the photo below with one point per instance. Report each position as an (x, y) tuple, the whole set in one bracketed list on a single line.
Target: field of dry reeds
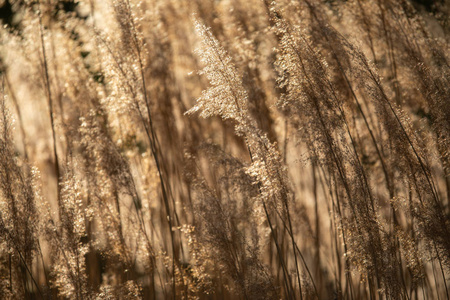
[(224, 149)]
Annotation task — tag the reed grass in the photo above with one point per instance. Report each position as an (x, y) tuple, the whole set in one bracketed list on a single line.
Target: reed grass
[(167, 149)]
